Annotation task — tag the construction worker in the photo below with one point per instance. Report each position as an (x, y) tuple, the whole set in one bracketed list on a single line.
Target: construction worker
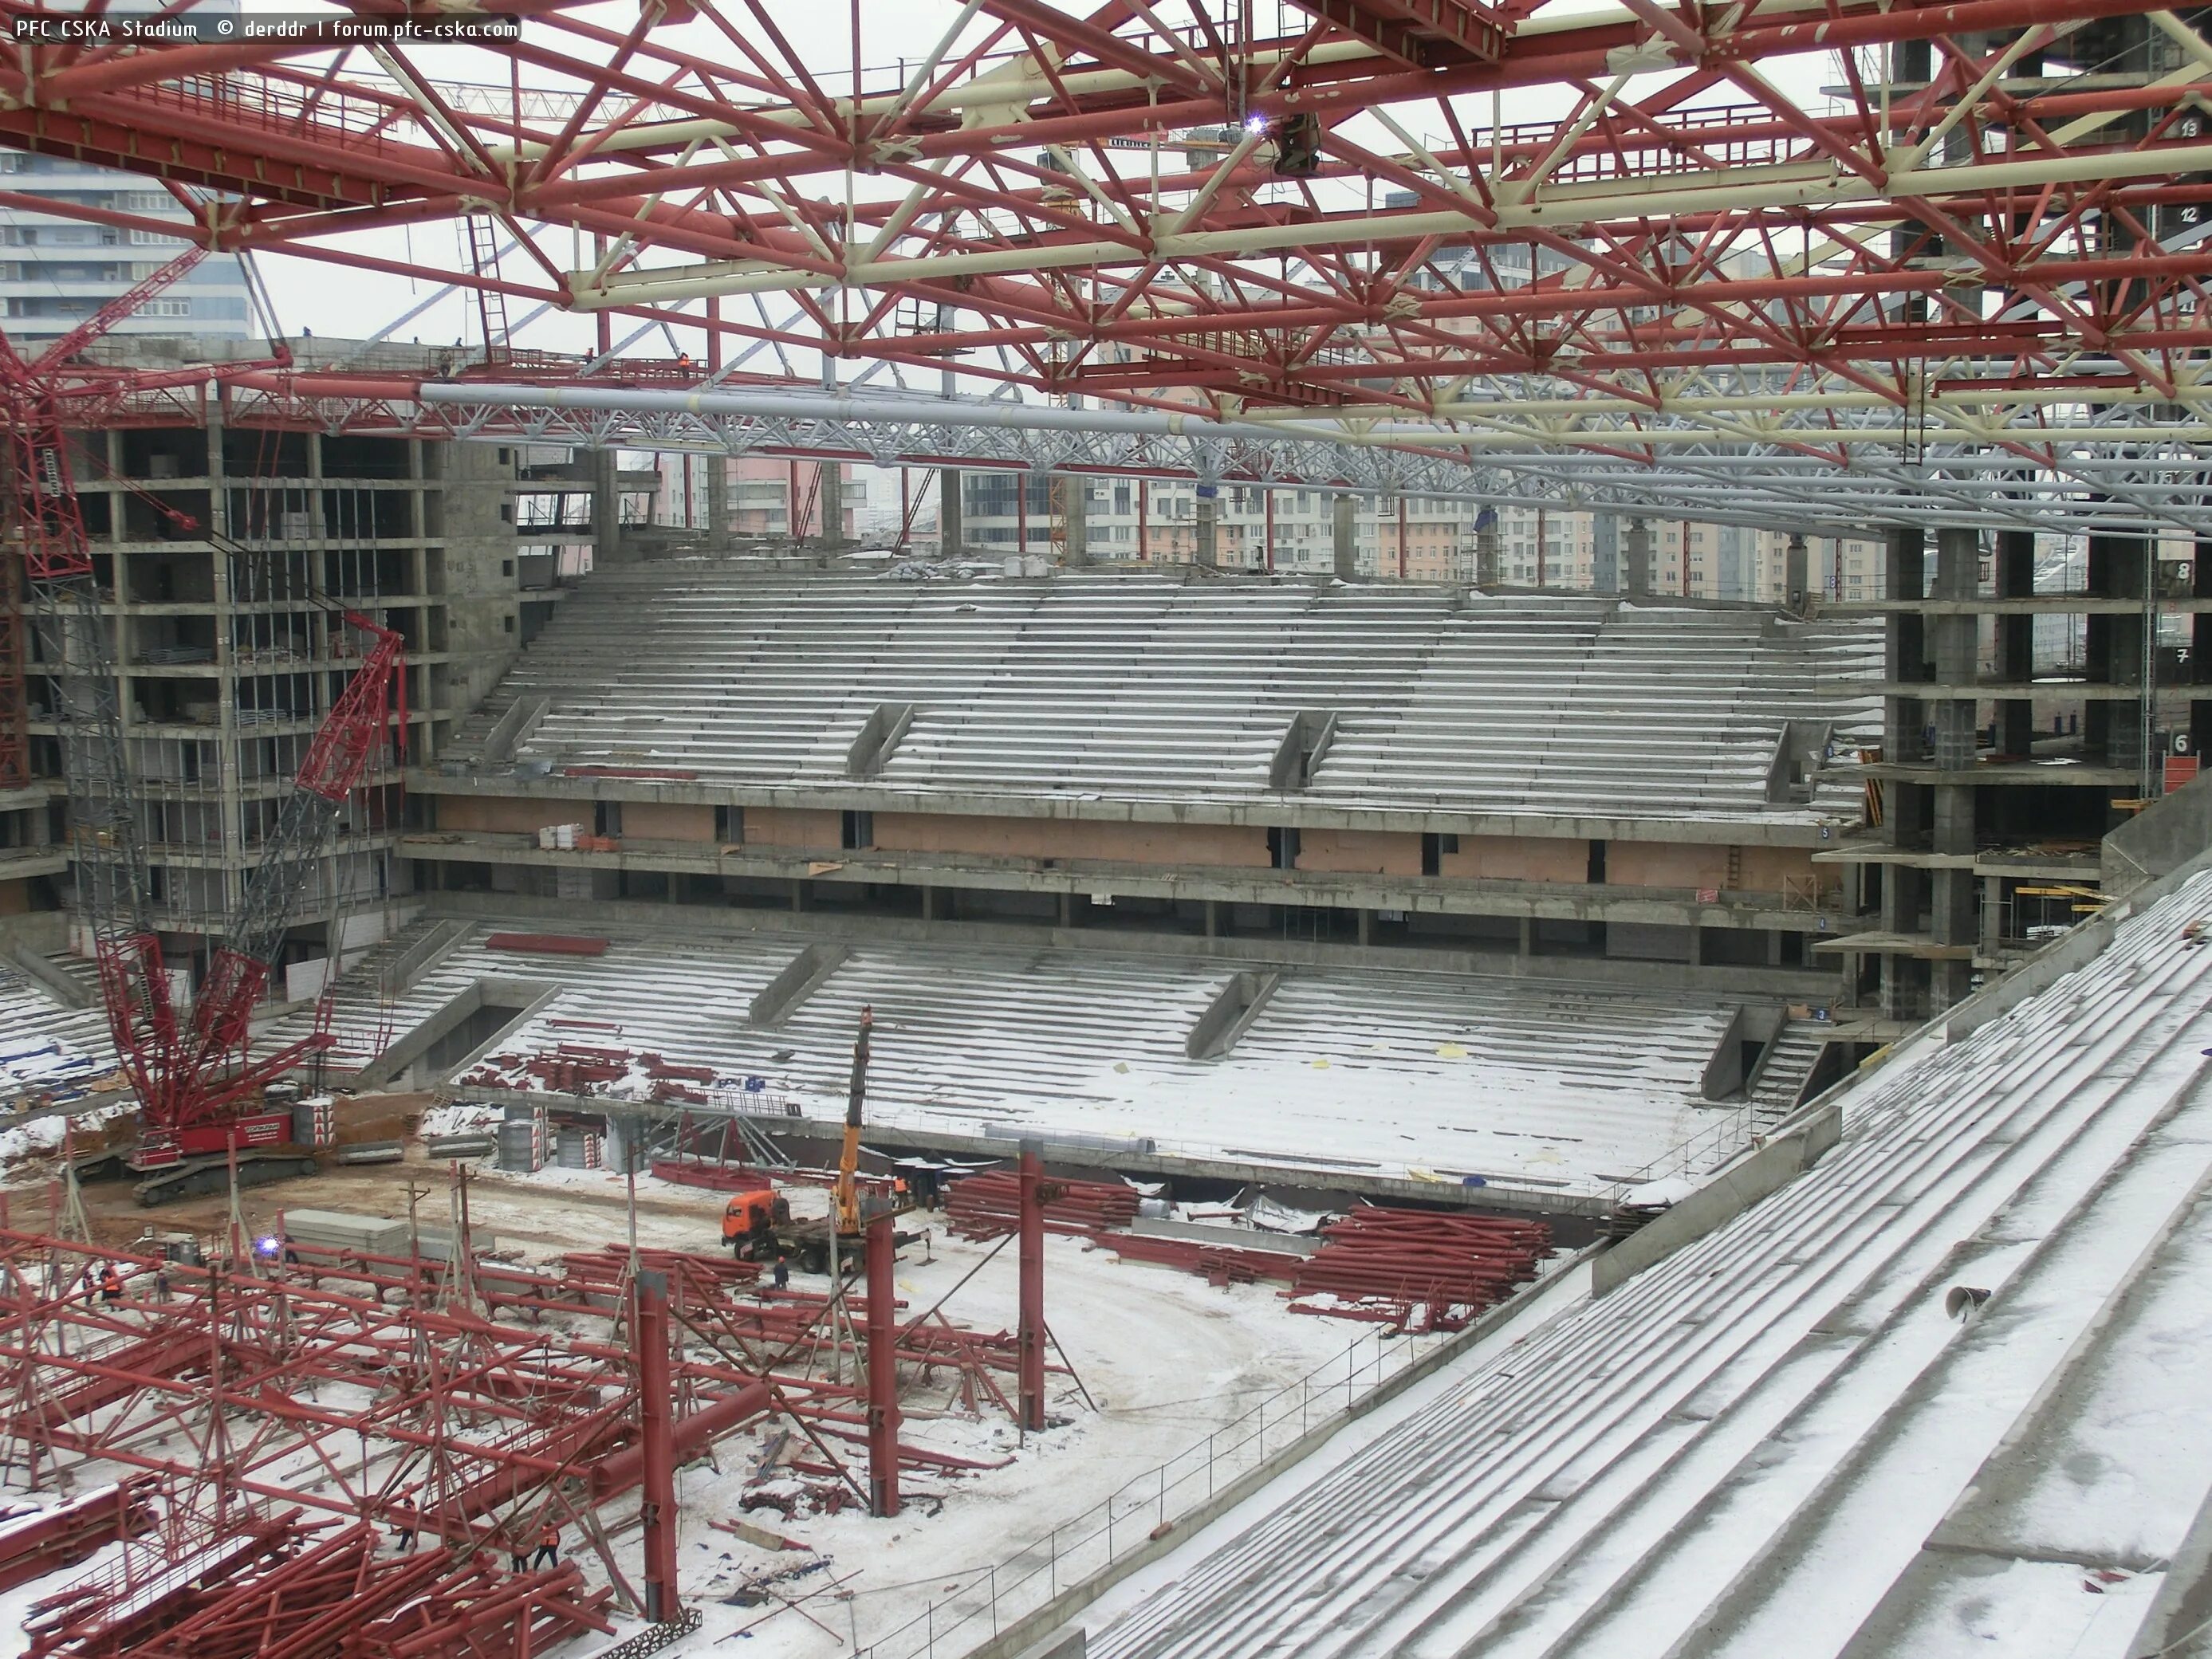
[(111, 1284), (781, 1276), (548, 1548), (684, 362)]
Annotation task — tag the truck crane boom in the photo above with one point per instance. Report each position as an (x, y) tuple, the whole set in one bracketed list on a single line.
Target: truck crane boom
[(845, 1196)]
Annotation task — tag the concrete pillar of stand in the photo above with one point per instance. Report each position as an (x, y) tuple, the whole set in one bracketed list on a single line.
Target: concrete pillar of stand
[(1207, 528), (1906, 806), (656, 1436), (606, 506), (1029, 1334), (718, 499), (1636, 558), (1486, 552), (2016, 580), (830, 502), (1951, 643), (1345, 544), (1796, 575), (883, 1370), (2119, 568), (952, 533), (1075, 496)]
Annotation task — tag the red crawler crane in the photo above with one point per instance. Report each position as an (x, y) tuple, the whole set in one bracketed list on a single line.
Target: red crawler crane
[(197, 1081)]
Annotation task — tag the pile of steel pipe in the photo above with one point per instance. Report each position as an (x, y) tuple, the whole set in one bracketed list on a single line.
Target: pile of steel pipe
[(1389, 1265), (989, 1206)]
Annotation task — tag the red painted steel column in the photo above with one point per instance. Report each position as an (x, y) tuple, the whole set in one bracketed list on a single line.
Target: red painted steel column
[(883, 1371), (1030, 1336), (657, 1439)]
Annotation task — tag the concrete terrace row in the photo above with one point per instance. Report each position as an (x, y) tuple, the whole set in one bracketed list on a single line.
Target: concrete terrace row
[(1153, 687), (1777, 1441), (1527, 1082)]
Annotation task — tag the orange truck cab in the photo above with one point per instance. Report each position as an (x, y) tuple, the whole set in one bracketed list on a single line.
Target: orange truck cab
[(754, 1216)]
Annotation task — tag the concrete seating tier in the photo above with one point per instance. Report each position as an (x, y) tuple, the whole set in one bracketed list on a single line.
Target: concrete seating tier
[(1781, 1440), (1153, 688), (1520, 1081)]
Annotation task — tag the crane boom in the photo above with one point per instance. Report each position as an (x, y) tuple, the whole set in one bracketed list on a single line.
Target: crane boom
[(190, 1073), (845, 1196)]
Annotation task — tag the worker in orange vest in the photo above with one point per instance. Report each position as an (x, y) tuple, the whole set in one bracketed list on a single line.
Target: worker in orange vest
[(549, 1547), (111, 1284)]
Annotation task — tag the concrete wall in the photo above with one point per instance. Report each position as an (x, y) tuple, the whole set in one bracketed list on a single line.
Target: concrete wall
[(651, 821), (1659, 864), (1507, 858), (783, 826), (475, 570), (1058, 838), (2159, 839), (487, 814), (1359, 852), (1722, 1199)]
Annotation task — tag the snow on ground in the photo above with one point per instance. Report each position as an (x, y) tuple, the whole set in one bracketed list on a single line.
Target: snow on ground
[(1167, 1357)]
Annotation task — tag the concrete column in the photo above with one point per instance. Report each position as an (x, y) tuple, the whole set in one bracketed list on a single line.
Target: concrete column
[(1347, 546), (718, 499), (1528, 936), (1213, 918), (606, 506), (928, 903), (1208, 511), (1796, 575), (1075, 497), (2113, 733), (1636, 558), (1906, 807), (1366, 925), (2014, 571), (1992, 915), (1486, 555), (1958, 554), (830, 502), (2200, 655), (952, 532)]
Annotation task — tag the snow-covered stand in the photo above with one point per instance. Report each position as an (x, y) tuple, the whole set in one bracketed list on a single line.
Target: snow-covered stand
[(1780, 1440)]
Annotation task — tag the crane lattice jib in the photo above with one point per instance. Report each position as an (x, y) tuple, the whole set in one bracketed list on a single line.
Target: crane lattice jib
[(107, 845), (345, 746)]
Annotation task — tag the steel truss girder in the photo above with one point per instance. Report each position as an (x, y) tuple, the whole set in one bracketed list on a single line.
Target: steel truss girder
[(1827, 471), (1678, 216)]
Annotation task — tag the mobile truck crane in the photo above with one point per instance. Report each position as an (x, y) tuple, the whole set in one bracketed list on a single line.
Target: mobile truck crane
[(202, 1091), (758, 1226)]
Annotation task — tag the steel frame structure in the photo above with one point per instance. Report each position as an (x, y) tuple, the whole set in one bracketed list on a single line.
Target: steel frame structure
[(1978, 264), (267, 1418)]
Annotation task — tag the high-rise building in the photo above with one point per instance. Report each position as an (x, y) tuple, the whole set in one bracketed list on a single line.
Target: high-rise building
[(55, 271)]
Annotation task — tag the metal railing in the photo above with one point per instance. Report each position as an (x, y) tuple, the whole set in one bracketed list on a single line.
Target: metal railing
[(991, 1598)]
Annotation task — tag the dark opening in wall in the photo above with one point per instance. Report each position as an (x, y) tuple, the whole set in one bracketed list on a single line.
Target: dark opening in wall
[(858, 831)]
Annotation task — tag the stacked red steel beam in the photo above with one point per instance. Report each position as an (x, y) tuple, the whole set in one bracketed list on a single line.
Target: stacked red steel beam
[(1219, 1264), (1387, 1264), (270, 1589), (36, 1541), (988, 1205)]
